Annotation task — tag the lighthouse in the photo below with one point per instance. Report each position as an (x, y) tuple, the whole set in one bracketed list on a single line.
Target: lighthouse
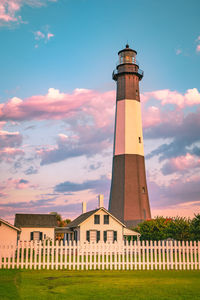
[(129, 200)]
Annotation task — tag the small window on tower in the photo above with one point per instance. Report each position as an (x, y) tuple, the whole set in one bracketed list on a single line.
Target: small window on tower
[(136, 92), (143, 190), (139, 139)]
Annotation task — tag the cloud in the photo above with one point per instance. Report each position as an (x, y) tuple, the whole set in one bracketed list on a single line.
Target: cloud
[(10, 10), (31, 170), (98, 186), (198, 48), (178, 51), (183, 131), (87, 141), (177, 192), (87, 132), (19, 184), (181, 164), (190, 98), (42, 36), (58, 106), (9, 141)]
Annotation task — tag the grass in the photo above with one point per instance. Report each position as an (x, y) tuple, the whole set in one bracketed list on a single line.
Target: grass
[(93, 285)]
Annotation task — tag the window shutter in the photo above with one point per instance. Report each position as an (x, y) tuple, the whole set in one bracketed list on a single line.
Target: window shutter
[(115, 236), (88, 235), (75, 236), (40, 236), (31, 236), (98, 236), (105, 236)]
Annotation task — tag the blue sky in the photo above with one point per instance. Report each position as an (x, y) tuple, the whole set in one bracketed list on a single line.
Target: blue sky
[(57, 101)]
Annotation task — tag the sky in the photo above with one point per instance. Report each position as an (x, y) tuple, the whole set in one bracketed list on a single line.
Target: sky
[(57, 102)]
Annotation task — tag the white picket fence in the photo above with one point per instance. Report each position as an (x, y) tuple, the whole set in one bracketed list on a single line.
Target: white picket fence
[(137, 255)]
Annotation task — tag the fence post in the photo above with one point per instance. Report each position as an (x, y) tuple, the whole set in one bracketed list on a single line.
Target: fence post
[(27, 255), (195, 255), (39, 262), (31, 255), (188, 259), (143, 256), (139, 254), (52, 254), (48, 254), (191, 255), (199, 254), (22, 255), (35, 254)]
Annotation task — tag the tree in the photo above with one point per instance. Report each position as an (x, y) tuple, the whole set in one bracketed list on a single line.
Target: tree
[(60, 221), (162, 228), (58, 216), (153, 229), (178, 229), (195, 228)]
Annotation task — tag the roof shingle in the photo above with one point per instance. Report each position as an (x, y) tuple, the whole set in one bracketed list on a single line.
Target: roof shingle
[(35, 220)]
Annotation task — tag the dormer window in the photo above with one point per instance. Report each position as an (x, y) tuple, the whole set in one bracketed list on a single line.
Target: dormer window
[(96, 219)]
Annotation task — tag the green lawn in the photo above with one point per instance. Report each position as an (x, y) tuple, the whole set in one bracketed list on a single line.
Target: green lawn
[(93, 285)]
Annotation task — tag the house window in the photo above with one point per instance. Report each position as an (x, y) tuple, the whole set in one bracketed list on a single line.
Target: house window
[(98, 236), (96, 219), (115, 236), (36, 236), (106, 219), (139, 138), (88, 235), (105, 236), (110, 236)]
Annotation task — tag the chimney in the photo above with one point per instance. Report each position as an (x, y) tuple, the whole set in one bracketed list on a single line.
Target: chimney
[(84, 207), (100, 199)]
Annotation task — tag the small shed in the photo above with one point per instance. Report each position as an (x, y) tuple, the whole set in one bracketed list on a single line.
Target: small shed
[(8, 233), (36, 226)]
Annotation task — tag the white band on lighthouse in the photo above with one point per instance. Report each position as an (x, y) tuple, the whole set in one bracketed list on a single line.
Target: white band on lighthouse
[(128, 128)]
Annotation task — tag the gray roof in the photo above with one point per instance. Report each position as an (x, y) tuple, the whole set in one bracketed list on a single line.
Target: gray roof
[(35, 220), (81, 218)]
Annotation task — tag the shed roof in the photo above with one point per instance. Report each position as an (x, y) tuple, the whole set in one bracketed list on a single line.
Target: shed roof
[(36, 220), (8, 224)]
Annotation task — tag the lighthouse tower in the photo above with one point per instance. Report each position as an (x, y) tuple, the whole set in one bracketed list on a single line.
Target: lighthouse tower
[(129, 200)]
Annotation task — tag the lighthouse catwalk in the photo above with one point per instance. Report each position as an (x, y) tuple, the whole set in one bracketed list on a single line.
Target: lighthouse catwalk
[(129, 200)]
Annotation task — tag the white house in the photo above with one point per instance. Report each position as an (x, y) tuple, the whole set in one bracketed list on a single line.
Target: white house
[(36, 226), (8, 233), (99, 225)]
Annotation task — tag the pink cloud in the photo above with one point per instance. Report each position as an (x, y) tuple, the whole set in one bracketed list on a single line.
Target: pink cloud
[(181, 164), (8, 154), (19, 184), (198, 48), (9, 143), (56, 105), (10, 9), (190, 98)]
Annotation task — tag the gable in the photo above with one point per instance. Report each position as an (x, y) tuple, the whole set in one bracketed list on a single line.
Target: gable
[(5, 223), (87, 217)]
